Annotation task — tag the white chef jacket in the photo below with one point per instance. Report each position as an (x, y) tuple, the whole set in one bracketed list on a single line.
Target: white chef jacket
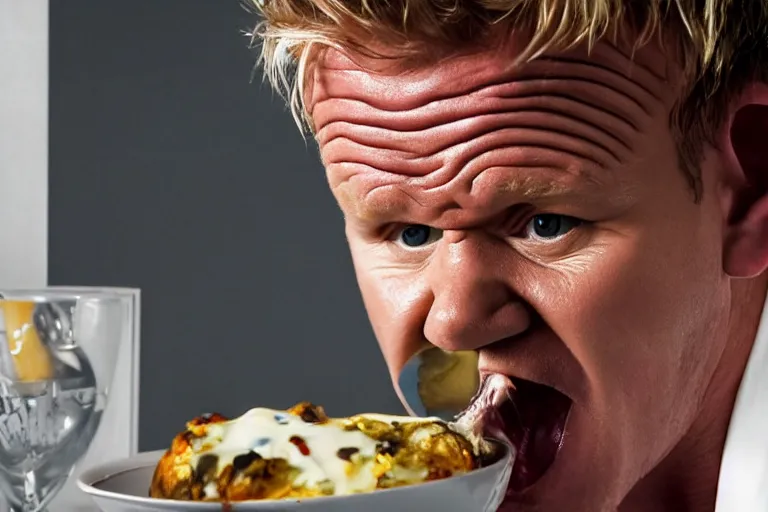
[(743, 485)]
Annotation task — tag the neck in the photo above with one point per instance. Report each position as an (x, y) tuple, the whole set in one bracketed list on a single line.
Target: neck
[(686, 480)]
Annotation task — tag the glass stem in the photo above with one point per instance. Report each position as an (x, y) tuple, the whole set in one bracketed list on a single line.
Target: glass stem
[(31, 498)]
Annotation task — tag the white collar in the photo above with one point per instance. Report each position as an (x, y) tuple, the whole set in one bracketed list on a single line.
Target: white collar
[(743, 485)]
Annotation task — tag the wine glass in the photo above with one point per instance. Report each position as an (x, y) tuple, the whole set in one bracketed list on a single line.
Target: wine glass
[(58, 348)]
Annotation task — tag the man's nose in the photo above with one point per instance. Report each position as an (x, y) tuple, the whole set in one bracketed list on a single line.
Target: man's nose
[(473, 305)]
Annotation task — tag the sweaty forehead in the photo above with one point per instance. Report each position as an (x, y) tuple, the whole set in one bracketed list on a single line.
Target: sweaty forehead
[(396, 139)]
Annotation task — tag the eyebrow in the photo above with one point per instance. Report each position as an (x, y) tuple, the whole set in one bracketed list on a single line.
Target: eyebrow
[(547, 184), (393, 201)]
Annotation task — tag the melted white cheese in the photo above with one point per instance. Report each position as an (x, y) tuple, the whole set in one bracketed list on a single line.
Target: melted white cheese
[(268, 432), (211, 491)]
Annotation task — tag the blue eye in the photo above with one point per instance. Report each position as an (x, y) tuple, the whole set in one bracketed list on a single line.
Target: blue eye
[(550, 226), (417, 235)]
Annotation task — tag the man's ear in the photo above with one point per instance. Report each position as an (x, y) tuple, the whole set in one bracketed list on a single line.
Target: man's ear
[(744, 144)]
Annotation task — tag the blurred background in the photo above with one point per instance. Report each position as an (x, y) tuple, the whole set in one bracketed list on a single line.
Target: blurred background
[(171, 170)]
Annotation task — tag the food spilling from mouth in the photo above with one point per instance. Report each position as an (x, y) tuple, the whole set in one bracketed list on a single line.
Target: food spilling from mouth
[(528, 416), (302, 453)]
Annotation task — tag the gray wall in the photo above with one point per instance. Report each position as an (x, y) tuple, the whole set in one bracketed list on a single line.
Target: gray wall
[(172, 172)]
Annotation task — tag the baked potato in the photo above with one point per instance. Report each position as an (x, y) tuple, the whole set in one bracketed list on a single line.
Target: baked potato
[(301, 452)]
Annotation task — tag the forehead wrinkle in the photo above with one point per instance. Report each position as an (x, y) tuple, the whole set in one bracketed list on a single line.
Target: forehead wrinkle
[(561, 115), (386, 195), (537, 88), (409, 88), (532, 174), (377, 134), (373, 200), (377, 109), (403, 88), (344, 150), (525, 174)]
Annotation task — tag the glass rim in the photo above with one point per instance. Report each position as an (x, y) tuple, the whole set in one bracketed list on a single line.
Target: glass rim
[(54, 293)]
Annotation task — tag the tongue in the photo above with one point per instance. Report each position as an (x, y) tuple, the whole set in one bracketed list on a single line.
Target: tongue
[(531, 417), (534, 423)]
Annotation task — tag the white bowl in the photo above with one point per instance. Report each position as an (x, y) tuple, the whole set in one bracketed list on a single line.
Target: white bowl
[(122, 486)]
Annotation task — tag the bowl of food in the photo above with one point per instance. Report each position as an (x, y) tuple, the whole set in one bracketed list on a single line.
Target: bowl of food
[(302, 459)]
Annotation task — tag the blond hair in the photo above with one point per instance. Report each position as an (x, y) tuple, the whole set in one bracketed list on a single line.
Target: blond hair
[(722, 43)]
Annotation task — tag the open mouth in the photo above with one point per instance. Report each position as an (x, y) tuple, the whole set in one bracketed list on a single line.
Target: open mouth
[(529, 416)]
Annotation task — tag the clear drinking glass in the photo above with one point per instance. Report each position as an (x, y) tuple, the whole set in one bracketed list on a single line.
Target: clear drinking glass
[(58, 348)]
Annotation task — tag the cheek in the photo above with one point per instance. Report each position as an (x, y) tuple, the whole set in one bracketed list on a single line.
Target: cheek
[(637, 319), (642, 320), (397, 302)]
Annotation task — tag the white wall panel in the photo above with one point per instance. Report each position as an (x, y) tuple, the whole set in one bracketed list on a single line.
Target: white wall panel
[(23, 143)]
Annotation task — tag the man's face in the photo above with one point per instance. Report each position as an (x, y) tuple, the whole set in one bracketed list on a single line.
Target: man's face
[(539, 216)]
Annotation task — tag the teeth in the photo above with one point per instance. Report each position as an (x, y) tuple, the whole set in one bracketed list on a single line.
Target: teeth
[(482, 417)]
